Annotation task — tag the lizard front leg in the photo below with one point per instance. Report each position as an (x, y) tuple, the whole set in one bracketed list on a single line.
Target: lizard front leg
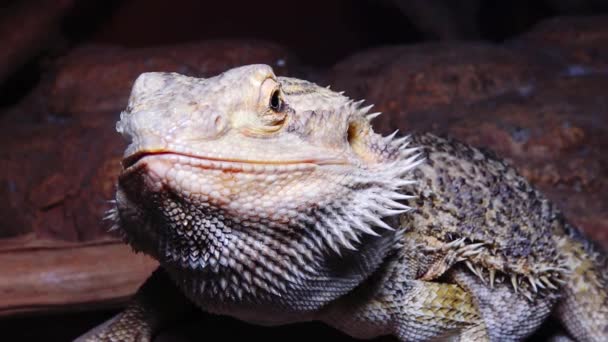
[(156, 304), (412, 310), (507, 314)]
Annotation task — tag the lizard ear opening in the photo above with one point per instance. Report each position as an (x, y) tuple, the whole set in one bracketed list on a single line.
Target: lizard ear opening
[(352, 132), (355, 136), (364, 142)]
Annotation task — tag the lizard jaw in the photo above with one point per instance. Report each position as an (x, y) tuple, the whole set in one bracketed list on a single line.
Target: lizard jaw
[(131, 162)]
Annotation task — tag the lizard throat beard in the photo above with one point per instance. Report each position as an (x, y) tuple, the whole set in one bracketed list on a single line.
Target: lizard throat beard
[(228, 267)]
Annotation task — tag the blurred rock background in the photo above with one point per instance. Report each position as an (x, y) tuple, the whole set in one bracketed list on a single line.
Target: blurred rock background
[(526, 79)]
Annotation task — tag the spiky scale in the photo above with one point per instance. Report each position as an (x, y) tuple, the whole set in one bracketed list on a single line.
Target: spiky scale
[(372, 116), (514, 282), (532, 283), (390, 137), (547, 282), (366, 109)]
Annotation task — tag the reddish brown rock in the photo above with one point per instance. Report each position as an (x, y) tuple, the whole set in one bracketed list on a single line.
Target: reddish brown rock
[(58, 178), (407, 79), (581, 43), (97, 79)]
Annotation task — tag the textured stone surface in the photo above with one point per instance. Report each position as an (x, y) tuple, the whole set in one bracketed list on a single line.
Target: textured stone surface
[(57, 178), (581, 43), (405, 79)]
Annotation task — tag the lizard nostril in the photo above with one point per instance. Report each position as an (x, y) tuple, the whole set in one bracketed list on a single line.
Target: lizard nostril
[(219, 123)]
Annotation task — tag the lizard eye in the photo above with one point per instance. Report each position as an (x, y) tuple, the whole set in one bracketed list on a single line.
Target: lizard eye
[(272, 110), (275, 101)]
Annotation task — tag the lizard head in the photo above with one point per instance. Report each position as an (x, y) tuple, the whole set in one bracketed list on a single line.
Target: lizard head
[(250, 167)]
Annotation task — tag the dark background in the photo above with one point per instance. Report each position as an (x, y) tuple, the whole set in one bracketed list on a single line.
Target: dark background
[(475, 45)]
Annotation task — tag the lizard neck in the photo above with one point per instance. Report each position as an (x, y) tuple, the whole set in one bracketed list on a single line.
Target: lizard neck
[(279, 293)]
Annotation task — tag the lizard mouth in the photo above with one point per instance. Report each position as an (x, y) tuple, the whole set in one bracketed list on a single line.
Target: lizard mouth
[(131, 162)]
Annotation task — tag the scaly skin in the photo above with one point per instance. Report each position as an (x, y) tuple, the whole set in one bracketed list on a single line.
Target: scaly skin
[(272, 200)]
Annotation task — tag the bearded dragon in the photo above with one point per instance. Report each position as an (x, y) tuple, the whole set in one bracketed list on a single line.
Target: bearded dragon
[(272, 200)]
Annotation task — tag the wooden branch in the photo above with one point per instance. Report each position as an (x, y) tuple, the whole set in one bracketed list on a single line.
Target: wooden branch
[(56, 276)]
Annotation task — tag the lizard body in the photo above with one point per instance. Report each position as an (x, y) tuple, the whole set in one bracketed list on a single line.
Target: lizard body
[(271, 199)]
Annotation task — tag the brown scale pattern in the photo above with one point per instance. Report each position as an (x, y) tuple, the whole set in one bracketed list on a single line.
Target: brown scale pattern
[(468, 194)]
